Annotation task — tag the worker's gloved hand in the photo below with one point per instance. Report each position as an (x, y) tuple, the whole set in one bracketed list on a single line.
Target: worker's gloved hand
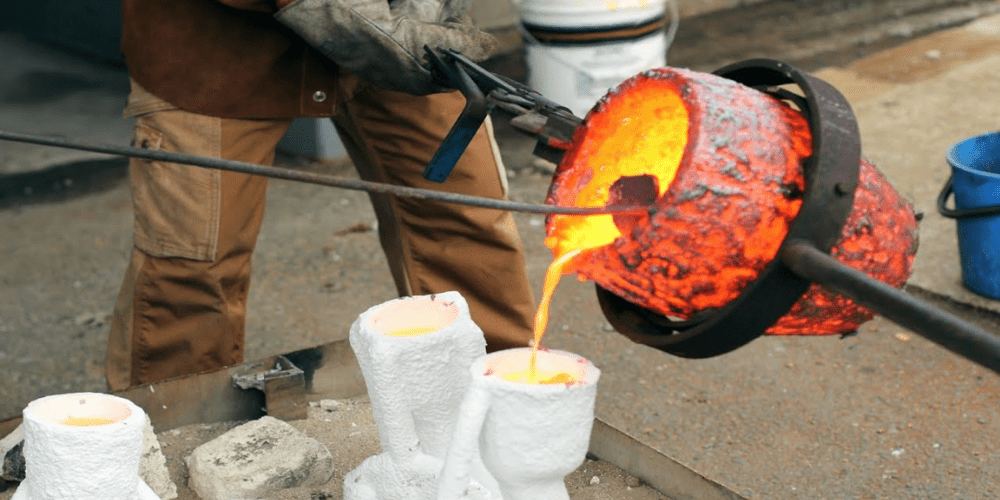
[(383, 41)]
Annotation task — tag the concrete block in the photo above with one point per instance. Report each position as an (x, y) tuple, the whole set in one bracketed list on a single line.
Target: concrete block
[(256, 459), (12, 456), (153, 465)]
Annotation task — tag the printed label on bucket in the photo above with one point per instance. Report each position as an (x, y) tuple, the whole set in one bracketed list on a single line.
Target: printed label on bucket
[(577, 77)]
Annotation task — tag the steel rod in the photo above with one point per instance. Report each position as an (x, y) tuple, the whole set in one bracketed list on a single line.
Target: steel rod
[(938, 326), (317, 178)]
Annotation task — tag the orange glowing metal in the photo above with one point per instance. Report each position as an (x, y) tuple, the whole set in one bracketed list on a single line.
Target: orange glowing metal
[(644, 134), (541, 377), (412, 331), (879, 239), (722, 164), (86, 421), (658, 135), (561, 265)]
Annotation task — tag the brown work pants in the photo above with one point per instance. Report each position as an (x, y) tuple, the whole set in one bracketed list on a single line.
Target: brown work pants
[(182, 305)]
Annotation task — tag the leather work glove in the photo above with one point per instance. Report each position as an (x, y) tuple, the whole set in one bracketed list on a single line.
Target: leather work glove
[(382, 41)]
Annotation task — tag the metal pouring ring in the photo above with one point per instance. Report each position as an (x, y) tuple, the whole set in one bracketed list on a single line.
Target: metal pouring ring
[(831, 177)]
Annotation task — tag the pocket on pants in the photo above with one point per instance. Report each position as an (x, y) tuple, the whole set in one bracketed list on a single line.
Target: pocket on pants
[(176, 206)]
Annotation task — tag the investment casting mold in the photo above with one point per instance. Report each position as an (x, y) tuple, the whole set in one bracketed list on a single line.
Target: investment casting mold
[(529, 436), (415, 383), (83, 462)]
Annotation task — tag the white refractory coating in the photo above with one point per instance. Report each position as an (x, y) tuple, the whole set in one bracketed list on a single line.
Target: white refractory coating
[(530, 436), (77, 462), (416, 383)]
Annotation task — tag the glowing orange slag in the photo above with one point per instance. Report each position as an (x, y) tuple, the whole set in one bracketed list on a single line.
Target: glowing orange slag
[(726, 166), (725, 163), (412, 331), (86, 421)]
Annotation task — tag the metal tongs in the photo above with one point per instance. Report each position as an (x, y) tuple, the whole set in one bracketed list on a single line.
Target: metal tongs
[(551, 122)]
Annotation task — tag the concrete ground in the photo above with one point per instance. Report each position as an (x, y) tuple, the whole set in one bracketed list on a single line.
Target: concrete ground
[(883, 414), (913, 103)]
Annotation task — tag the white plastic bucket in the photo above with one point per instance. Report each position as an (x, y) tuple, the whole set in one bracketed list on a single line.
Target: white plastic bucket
[(578, 49)]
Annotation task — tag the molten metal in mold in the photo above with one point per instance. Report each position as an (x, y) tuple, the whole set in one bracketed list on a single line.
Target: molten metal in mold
[(412, 331), (86, 421), (722, 164)]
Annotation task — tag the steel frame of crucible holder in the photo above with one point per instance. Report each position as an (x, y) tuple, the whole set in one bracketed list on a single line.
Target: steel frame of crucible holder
[(284, 388)]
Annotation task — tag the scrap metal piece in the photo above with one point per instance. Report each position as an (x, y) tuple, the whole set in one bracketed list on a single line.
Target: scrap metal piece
[(12, 457), (284, 389)]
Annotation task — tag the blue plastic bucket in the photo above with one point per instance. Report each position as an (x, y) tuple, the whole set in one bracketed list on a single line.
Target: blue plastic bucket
[(975, 179)]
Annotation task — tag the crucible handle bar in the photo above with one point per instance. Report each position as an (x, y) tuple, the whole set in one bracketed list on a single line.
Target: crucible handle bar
[(932, 323)]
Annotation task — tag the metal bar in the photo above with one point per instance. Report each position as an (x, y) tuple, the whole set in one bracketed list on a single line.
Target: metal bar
[(321, 179), (659, 471), (284, 389), (940, 327)]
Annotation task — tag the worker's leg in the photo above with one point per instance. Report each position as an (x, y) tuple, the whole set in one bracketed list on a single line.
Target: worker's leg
[(432, 246), (182, 305)]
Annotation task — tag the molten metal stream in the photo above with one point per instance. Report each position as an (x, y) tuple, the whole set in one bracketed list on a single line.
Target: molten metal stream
[(653, 145), (558, 268), (533, 375)]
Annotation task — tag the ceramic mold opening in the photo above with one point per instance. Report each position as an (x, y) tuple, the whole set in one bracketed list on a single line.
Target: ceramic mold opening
[(548, 367), (84, 446), (83, 410), (414, 316)]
